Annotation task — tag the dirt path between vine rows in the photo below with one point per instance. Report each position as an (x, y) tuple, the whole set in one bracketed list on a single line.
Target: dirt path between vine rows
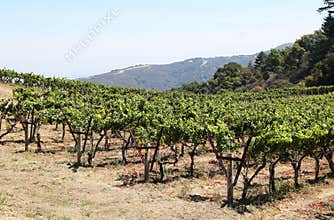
[(41, 186), (316, 202)]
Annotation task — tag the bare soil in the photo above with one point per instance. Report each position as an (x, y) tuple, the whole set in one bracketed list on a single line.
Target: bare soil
[(5, 90)]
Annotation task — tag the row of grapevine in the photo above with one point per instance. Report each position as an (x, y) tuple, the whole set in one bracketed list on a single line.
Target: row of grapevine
[(284, 125)]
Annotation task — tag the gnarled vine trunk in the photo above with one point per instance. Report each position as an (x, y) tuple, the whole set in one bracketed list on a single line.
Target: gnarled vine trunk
[(248, 181), (317, 168), (218, 156), (192, 154), (329, 158), (272, 165), (296, 165)]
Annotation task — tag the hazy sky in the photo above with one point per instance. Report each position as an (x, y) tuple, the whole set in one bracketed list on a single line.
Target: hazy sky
[(38, 35)]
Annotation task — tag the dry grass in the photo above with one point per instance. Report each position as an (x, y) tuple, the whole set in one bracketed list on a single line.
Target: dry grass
[(41, 186)]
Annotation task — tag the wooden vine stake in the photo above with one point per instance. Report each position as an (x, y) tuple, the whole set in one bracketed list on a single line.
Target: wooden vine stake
[(106, 140), (0, 124), (79, 148), (38, 138), (26, 135), (229, 181), (63, 133), (91, 151), (147, 163)]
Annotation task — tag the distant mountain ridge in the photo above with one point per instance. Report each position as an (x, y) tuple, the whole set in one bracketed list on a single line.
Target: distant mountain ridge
[(167, 76)]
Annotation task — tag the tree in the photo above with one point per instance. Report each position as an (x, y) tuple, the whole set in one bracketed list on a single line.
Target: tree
[(295, 62), (329, 4), (259, 61), (328, 29), (232, 77), (274, 62), (323, 72)]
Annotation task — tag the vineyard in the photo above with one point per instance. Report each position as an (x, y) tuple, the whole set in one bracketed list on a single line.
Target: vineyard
[(244, 134)]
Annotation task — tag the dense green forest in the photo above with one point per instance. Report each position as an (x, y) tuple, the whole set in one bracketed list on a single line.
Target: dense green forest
[(308, 62)]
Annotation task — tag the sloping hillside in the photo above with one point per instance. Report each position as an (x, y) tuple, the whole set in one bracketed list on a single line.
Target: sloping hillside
[(169, 76)]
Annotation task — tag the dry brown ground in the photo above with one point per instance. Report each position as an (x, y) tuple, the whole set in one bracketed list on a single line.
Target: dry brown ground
[(41, 186), (5, 90)]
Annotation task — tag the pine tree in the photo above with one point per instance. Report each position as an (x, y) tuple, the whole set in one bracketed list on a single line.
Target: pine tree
[(328, 27), (329, 5), (259, 60)]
